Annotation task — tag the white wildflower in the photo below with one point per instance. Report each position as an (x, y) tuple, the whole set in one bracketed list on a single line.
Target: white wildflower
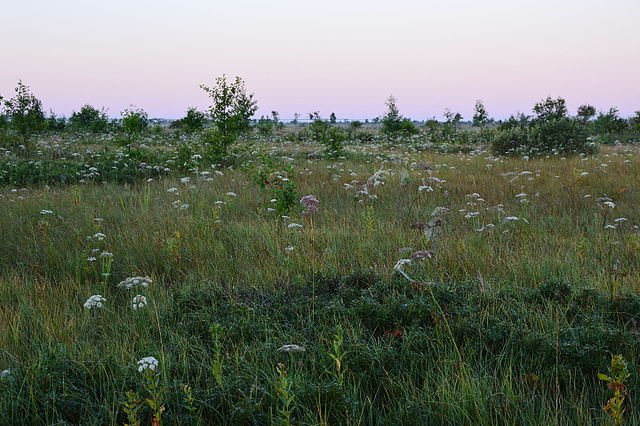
[(139, 302), (147, 363), (132, 282), (94, 301), (294, 225)]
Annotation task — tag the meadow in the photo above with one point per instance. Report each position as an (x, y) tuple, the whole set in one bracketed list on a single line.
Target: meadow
[(420, 283)]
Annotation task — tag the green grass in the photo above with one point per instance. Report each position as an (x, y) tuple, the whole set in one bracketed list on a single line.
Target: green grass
[(506, 326)]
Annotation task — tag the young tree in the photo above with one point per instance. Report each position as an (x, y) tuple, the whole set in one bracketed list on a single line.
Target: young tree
[(25, 111), (610, 122), (231, 111), (193, 121), (89, 119), (635, 122), (55, 123), (393, 122), (134, 121), (480, 116), (586, 112), (550, 109)]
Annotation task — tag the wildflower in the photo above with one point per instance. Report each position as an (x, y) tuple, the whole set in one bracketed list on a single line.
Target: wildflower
[(294, 225), (609, 227), (44, 212), (289, 248), (310, 203), (139, 302), (106, 254), (99, 236), (471, 215), (94, 301), (232, 194), (172, 190), (425, 188), (91, 259), (610, 204), (132, 282), (5, 373), (291, 348), (147, 363), (620, 219), (185, 180)]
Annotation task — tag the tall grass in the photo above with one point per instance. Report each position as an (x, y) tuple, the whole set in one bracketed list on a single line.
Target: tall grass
[(508, 325)]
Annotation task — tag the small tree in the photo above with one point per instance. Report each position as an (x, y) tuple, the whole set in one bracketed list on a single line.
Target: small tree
[(332, 118), (231, 111), (134, 121), (25, 111), (586, 112), (393, 123), (193, 121), (609, 122), (480, 116), (55, 123), (635, 122), (89, 119), (550, 109)]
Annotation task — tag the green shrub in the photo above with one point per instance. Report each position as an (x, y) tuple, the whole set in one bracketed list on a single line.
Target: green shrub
[(557, 135), (89, 119)]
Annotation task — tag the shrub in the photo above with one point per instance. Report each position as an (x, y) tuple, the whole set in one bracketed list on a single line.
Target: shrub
[(192, 122), (25, 111), (560, 135), (331, 137), (393, 123), (134, 121), (89, 119), (609, 122)]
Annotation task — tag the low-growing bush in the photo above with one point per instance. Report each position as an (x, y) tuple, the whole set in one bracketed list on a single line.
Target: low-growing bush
[(557, 135)]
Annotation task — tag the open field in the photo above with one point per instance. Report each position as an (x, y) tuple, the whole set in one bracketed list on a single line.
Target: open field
[(528, 283)]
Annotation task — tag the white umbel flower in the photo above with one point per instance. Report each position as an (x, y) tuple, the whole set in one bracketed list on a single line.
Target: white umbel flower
[(132, 282), (139, 302), (147, 363), (94, 301)]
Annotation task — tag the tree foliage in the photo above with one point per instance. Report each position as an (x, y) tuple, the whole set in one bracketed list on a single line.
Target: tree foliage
[(89, 119), (25, 112), (231, 109)]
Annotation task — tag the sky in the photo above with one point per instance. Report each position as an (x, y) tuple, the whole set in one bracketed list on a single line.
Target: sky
[(343, 56)]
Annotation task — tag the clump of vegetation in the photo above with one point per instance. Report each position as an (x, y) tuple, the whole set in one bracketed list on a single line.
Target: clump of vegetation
[(551, 131), (134, 121), (323, 131), (230, 112), (393, 123), (25, 113), (192, 122), (89, 119)]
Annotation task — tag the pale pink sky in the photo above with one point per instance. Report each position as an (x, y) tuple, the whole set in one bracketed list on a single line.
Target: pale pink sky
[(341, 56)]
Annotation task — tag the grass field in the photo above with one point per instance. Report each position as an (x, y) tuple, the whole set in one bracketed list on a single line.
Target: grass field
[(523, 282)]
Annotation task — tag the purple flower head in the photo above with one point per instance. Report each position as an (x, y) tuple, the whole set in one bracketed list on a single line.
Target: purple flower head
[(310, 203)]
